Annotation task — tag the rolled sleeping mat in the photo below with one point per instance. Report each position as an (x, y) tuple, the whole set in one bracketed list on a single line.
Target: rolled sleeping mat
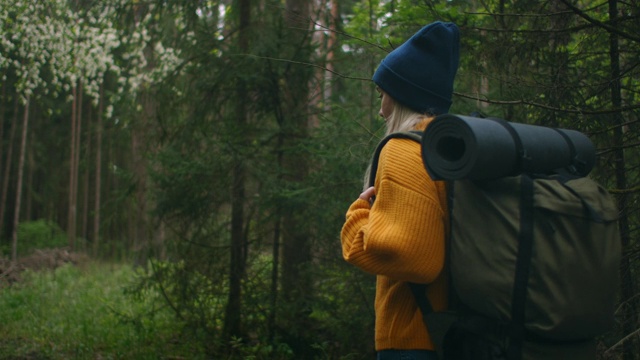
[(461, 147)]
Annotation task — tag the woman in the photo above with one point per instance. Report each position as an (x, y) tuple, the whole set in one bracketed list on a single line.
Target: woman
[(401, 237)]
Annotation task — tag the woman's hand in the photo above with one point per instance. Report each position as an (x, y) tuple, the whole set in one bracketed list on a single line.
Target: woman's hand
[(368, 194)]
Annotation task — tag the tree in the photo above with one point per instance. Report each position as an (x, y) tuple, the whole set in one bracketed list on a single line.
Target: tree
[(98, 174), (629, 288), (297, 284), (16, 214), (239, 243)]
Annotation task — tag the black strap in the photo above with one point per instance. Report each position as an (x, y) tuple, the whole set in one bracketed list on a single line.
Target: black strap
[(454, 300), (523, 263), (419, 292), (412, 135), (437, 324), (573, 153), (523, 161)]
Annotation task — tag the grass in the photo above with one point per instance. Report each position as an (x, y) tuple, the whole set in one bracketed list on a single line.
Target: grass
[(85, 313)]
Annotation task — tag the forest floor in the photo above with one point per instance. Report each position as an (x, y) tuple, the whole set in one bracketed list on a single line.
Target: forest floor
[(56, 304), (11, 273)]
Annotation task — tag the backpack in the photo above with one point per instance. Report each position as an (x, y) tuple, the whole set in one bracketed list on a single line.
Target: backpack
[(533, 251)]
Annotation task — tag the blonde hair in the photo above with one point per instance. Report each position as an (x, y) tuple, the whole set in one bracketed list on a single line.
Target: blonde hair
[(401, 119)]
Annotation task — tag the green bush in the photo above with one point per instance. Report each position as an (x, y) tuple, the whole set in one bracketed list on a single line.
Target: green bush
[(39, 234)]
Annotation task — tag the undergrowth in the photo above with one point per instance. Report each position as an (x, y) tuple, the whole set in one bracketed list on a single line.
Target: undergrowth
[(84, 313)]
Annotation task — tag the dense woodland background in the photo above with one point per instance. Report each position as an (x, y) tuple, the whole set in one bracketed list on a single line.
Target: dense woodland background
[(218, 144)]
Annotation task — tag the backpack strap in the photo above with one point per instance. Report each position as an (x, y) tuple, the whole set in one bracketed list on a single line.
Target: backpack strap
[(575, 164), (523, 160), (419, 292), (523, 264), (436, 323), (411, 135)]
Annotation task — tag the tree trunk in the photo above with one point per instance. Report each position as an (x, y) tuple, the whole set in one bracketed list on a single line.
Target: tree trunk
[(98, 175), (559, 56), (275, 275), (297, 284), (86, 178), (138, 222), (332, 44), (30, 163), (16, 215), (7, 165), (237, 262), (76, 171), (294, 131), (3, 97), (71, 216), (629, 307)]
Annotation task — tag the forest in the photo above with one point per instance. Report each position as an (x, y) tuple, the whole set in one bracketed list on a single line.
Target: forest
[(215, 146)]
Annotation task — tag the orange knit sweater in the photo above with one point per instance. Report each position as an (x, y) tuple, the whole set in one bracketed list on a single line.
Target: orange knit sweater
[(401, 238)]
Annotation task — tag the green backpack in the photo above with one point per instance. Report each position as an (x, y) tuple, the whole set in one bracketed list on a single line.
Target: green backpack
[(532, 262)]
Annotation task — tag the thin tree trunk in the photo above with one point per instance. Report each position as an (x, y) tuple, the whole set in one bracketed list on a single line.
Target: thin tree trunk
[(237, 264), (277, 231), (295, 129), (136, 222), (87, 178), (332, 44), (629, 315), (2, 117), (142, 232), (558, 43), (16, 215), (7, 165), (275, 251), (98, 175), (71, 216), (233, 321), (30, 163), (76, 161), (297, 284), (110, 181)]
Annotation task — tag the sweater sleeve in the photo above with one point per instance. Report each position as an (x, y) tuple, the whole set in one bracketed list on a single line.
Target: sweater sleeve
[(402, 235)]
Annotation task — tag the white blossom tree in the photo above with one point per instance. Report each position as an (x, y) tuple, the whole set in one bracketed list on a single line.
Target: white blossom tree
[(59, 50)]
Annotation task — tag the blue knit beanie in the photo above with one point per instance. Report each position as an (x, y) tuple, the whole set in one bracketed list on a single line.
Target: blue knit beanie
[(419, 73)]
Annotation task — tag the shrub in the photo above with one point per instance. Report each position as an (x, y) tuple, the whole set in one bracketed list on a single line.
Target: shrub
[(39, 234)]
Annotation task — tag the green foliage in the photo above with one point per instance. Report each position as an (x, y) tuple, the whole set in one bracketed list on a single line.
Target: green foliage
[(83, 313), (194, 298), (39, 234), (341, 314)]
